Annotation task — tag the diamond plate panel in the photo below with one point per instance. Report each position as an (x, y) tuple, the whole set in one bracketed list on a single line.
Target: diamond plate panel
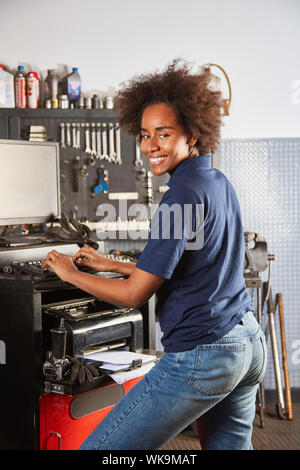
[(266, 175)]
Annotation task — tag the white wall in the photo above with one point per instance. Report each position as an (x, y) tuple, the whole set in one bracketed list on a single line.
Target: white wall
[(256, 41)]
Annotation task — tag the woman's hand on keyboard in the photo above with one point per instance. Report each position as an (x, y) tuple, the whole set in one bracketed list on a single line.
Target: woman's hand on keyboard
[(87, 256), (61, 264)]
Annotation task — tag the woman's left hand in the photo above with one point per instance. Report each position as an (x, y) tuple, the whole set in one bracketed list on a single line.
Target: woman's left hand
[(61, 264)]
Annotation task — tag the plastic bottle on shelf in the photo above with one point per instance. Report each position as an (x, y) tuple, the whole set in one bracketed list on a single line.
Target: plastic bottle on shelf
[(20, 87), (32, 90), (51, 89), (71, 84), (7, 94)]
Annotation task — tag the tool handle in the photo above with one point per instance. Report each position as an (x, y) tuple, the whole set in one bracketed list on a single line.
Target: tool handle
[(288, 397), (276, 363), (270, 304)]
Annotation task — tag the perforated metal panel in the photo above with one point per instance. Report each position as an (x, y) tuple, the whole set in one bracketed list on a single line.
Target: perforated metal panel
[(266, 175)]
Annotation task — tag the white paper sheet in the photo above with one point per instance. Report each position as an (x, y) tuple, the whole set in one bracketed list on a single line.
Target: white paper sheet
[(121, 377), (118, 359)]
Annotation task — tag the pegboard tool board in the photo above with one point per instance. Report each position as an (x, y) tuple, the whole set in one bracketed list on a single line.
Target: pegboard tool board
[(266, 176), (99, 163)]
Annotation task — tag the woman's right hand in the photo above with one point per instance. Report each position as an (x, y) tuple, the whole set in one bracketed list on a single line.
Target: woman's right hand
[(87, 256)]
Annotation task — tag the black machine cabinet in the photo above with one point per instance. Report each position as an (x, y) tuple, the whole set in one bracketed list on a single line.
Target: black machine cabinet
[(21, 371)]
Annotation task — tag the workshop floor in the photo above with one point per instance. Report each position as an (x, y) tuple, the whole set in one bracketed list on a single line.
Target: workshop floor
[(277, 434)]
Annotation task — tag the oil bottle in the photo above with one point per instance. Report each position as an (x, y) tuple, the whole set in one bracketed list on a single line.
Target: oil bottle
[(51, 89), (20, 87), (71, 85)]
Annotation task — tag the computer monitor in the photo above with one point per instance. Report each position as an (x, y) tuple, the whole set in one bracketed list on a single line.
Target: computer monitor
[(29, 183)]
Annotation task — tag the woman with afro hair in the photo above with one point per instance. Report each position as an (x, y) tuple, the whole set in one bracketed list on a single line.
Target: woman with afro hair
[(214, 350)]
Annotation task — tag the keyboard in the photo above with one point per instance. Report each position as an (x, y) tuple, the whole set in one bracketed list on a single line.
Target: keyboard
[(35, 268)]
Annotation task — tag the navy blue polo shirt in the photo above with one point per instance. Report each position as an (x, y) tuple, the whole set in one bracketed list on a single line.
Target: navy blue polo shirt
[(197, 244)]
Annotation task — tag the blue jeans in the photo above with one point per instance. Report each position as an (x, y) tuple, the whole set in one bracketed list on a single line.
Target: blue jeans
[(218, 380)]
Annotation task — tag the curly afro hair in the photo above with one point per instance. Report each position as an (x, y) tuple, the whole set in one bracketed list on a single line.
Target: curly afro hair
[(198, 107)]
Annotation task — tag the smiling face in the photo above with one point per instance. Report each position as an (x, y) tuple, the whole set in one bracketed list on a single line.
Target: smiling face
[(163, 140)]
